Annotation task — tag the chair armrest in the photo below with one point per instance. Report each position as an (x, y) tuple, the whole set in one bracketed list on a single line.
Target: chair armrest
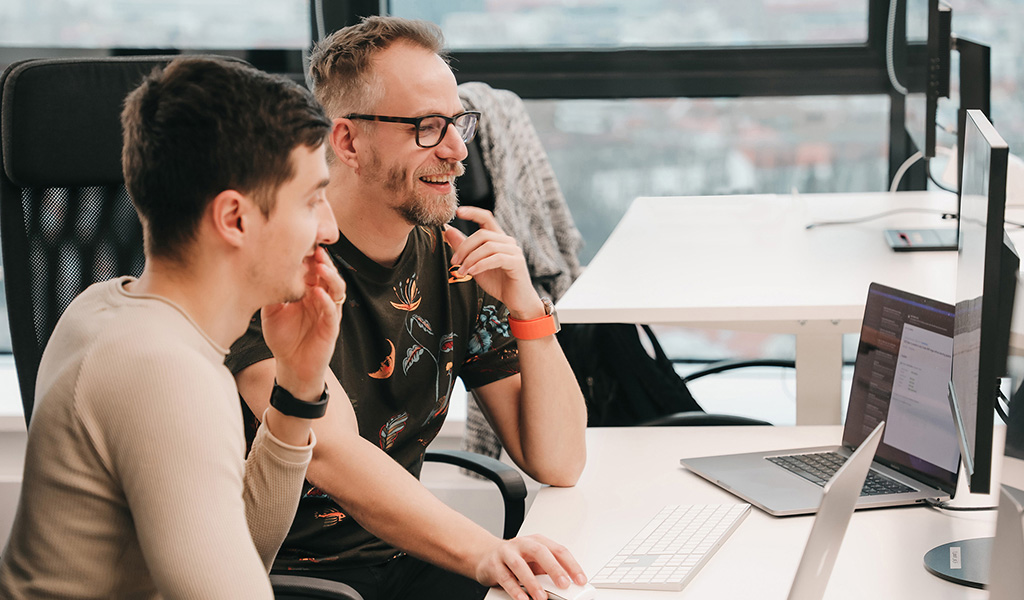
[(728, 365), (509, 481), (701, 419), (298, 587)]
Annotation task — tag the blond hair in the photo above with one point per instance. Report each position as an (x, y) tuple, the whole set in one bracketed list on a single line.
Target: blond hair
[(340, 67)]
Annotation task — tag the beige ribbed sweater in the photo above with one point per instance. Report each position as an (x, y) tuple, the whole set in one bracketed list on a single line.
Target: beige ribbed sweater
[(136, 483)]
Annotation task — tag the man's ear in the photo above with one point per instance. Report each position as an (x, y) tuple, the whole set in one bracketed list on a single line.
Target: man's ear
[(230, 215), (343, 141)]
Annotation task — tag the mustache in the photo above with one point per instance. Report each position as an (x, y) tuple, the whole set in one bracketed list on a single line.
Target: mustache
[(457, 169)]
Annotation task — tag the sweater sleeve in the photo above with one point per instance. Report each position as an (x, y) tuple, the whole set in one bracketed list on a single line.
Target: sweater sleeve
[(166, 423), (271, 470)]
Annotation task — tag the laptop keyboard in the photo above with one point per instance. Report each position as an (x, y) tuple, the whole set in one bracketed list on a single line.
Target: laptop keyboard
[(819, 467)]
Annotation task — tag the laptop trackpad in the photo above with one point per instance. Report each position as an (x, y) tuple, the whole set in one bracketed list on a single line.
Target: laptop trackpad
[(752, 478)]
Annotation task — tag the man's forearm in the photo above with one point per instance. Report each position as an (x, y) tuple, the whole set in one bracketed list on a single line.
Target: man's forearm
[(553, 414), (390, 503)]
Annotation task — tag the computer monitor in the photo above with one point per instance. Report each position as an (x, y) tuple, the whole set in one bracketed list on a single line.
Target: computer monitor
[(921, 108), (987, 265), (975, 89), (974, 92), (940, 19)]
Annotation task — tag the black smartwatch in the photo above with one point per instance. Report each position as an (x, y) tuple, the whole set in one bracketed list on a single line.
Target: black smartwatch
[(289, 405)]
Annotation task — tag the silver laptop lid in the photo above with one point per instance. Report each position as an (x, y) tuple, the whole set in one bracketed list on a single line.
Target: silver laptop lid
[(841, 493)]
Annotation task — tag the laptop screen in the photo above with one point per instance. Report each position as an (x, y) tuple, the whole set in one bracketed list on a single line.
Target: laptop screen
[(900, 377)]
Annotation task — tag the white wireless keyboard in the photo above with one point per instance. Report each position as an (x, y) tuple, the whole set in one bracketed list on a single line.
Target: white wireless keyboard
[(671, 548)]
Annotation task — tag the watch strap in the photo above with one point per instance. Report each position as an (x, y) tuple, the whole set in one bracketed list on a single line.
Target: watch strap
[(286, 404), (534, 329)]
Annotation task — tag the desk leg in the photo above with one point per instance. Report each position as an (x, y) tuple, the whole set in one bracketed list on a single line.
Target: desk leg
[(819, 376)]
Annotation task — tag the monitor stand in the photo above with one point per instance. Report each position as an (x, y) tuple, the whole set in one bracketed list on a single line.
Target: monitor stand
[(918, 240), (965, 561), (970, 562)]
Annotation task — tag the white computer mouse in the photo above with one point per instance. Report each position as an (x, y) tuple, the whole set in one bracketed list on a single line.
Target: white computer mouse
[(573, 592)]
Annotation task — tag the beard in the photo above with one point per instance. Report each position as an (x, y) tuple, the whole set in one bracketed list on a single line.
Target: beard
[(427, 210)]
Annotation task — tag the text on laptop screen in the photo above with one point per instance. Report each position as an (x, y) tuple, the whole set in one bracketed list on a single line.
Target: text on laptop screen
[(901, 377)]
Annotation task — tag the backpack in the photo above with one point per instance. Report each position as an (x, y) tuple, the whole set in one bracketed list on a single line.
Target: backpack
[(622, 384)]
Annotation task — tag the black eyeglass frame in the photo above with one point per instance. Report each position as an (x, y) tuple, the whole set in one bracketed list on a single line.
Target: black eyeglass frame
[(416, 121)]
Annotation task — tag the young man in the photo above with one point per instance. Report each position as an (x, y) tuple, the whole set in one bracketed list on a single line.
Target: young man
[(136, 483), (425, 305)]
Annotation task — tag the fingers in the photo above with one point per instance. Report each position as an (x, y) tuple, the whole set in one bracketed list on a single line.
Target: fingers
[(523, 576), (481, 216), (565, 565), (453, 236), (556, 560), (492, 256), (510, 584), (326, 277), (484, 242), (521, 557)]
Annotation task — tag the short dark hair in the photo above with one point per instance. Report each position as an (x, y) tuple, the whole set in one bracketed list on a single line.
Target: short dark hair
[(199, 126), (340, 64)]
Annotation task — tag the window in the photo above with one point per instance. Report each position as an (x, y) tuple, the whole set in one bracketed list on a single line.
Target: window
[(155, 23), (640, 23), (607, 152)]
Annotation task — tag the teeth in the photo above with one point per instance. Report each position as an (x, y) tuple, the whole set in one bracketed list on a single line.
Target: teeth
[(435, 179)]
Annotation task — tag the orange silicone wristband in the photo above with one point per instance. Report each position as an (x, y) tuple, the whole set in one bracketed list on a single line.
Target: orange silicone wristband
[(534, 328)]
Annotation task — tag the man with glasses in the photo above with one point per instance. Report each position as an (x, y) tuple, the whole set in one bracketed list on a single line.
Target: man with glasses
[(425, 305)]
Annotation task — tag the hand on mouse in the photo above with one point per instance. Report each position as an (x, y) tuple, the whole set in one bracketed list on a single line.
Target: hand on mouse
[(511, 563)]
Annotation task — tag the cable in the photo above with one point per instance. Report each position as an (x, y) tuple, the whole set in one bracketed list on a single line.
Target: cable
[(928, 169), (318, 16), (945, 215), (900, 172), (889, 34), (944, 505), (999, 407)]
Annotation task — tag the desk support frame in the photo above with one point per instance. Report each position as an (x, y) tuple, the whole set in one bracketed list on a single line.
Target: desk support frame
[(819, 368)]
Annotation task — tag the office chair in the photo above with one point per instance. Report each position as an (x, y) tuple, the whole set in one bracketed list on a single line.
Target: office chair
[(66, 221), (506, 123)]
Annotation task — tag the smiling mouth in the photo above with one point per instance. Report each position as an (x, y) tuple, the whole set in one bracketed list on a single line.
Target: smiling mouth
[(438, 179)]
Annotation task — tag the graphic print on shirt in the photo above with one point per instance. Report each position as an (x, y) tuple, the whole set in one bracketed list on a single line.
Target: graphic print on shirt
[(415, 325), (387, 366), (390, 430), (408, 295), (311, 559), (315, 492), (488, 326), (453, 276), (330, 518)]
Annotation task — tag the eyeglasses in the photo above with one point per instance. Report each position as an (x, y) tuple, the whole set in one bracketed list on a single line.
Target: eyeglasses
[(430, 129)]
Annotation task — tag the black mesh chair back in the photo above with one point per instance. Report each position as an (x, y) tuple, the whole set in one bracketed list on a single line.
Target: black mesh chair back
[(66, 220)]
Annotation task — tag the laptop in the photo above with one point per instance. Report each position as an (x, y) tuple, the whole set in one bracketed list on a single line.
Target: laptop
[(900, 376), (840, 496)]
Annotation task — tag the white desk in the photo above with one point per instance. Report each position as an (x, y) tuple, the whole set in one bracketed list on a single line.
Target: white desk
[(748, 263), (632, 472)]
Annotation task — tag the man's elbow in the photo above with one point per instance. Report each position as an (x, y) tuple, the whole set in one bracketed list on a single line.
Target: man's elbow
[(561, 473)]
